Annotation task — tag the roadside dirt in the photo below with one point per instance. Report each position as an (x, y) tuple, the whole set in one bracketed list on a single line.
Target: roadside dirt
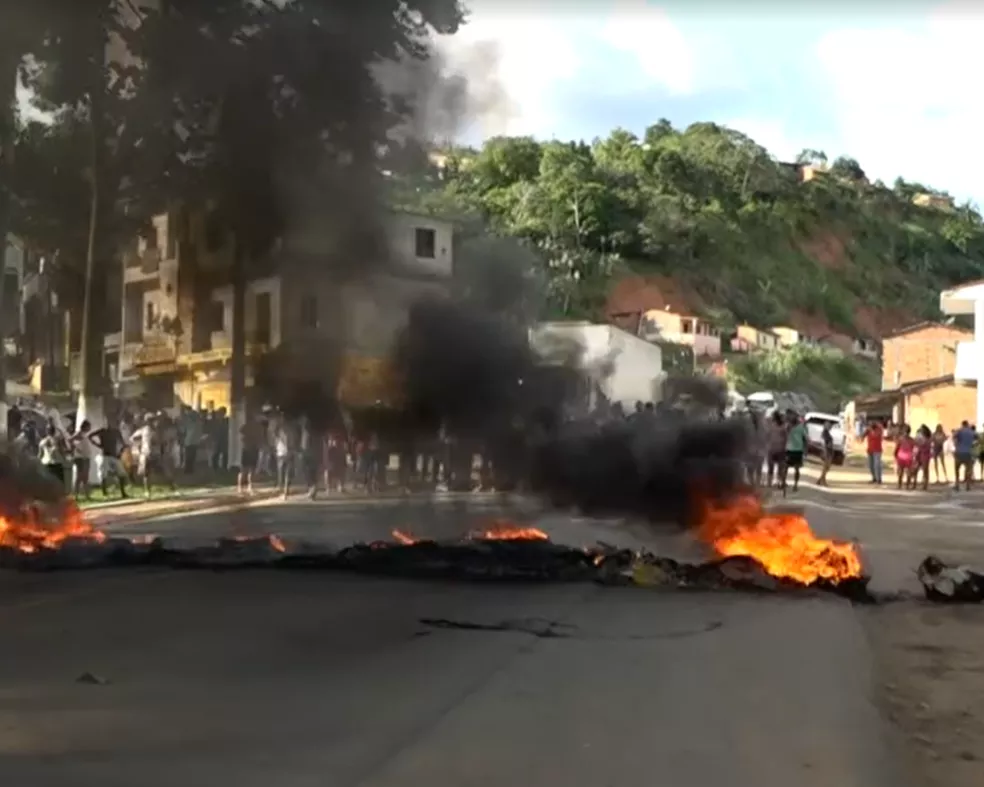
[(930, 673)]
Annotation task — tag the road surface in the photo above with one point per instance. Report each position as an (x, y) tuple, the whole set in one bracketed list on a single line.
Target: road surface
[(200, 678)]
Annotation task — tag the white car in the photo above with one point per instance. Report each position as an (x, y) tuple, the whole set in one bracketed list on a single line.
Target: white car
[(814, 434)]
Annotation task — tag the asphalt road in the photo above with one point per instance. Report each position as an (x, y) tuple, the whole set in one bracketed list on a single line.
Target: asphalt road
[(295, 680)]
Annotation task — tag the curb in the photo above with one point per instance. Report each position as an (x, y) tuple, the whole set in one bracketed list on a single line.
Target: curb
[(210, 506), (109, 505)]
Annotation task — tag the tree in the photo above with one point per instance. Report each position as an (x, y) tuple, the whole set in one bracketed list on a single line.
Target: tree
[(814, 158), (708, 210), (23, 24), (73, 76), (266, 137), (846, 167)]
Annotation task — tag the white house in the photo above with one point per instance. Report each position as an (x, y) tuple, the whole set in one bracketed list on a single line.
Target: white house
[(968, 300)]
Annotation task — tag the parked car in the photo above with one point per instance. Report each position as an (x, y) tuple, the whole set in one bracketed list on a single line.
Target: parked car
[(814, 434)]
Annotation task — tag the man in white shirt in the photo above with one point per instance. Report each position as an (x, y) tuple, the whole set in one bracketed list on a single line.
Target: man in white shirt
[(145, 440), (84, 451), (283, 449)]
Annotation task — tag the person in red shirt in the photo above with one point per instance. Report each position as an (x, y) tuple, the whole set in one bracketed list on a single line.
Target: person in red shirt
[(873, 436)]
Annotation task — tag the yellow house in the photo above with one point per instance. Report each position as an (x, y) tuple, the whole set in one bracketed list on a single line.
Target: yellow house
[(748, 338)]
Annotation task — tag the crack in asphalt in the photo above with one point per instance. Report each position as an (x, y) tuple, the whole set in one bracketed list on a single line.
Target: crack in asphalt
[(550, 629)]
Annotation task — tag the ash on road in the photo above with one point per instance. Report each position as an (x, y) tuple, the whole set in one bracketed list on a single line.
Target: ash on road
[(267, 678)]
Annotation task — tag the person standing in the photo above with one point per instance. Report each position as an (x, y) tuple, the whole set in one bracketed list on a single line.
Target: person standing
[(924, 455), (905, 457), (828, 453), (110, 443), (283, 452), (874, 435), (251, 433), (758, 450), (191, 437), (795, 449), (147, 452), (939, 454), (777, 448), (310, 445), (83, 451), (963, 455), (52, 455)]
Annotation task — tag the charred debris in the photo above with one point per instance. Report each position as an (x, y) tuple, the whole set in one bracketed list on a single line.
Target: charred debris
[(477, 558)]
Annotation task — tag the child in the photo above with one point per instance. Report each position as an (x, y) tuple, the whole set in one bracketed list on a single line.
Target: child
[(905, 450)]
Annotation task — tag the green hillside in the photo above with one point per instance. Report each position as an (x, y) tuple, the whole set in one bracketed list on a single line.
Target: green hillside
[(714, 217)]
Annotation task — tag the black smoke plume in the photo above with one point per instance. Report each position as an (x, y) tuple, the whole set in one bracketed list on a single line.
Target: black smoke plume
[(474, 371)]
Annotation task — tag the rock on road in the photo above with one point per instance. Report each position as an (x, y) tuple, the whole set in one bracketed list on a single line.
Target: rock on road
[(266, 678)]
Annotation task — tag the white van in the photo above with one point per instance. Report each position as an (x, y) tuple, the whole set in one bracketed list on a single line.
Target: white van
[(763, 401)]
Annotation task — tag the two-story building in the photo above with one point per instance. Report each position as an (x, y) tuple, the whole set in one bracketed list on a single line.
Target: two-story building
[(176, 340), (920, 383), (748, 338), (664, 325)]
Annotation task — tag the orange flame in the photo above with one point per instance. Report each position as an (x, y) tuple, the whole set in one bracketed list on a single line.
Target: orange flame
[(30, 534), (782, 542), (501, 530), (498, 530)]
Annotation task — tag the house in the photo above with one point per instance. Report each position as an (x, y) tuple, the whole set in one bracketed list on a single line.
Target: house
[(622, 367), (748, 338), (689, 329), (176, 338), (865, 348), (790, 337), (922, 351), (935, 201), (808, 172)]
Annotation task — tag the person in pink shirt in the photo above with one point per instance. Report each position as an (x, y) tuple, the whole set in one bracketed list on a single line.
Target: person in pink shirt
[(905, 458)]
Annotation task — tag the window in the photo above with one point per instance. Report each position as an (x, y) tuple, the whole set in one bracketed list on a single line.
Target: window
[(263, 318), (688, 326), (149, 308), (425, 243), (309, 311)]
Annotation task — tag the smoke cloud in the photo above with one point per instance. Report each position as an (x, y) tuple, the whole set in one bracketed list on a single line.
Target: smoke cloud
[(465, 360)]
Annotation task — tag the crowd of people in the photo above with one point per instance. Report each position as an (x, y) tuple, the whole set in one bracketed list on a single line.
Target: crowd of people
[(780, 444), (153, 449), (925, 452), (133, 447)]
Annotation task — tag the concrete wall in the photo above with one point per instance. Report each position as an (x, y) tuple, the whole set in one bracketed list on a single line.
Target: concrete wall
[(269, 285), (402, 229), (377, 311), (945, 404)]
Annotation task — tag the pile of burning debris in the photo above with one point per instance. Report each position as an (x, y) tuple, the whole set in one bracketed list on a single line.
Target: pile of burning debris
[(772, 552)]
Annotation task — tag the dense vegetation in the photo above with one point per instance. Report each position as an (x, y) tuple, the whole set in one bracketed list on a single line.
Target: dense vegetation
[(828, 377), (712, 209)]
